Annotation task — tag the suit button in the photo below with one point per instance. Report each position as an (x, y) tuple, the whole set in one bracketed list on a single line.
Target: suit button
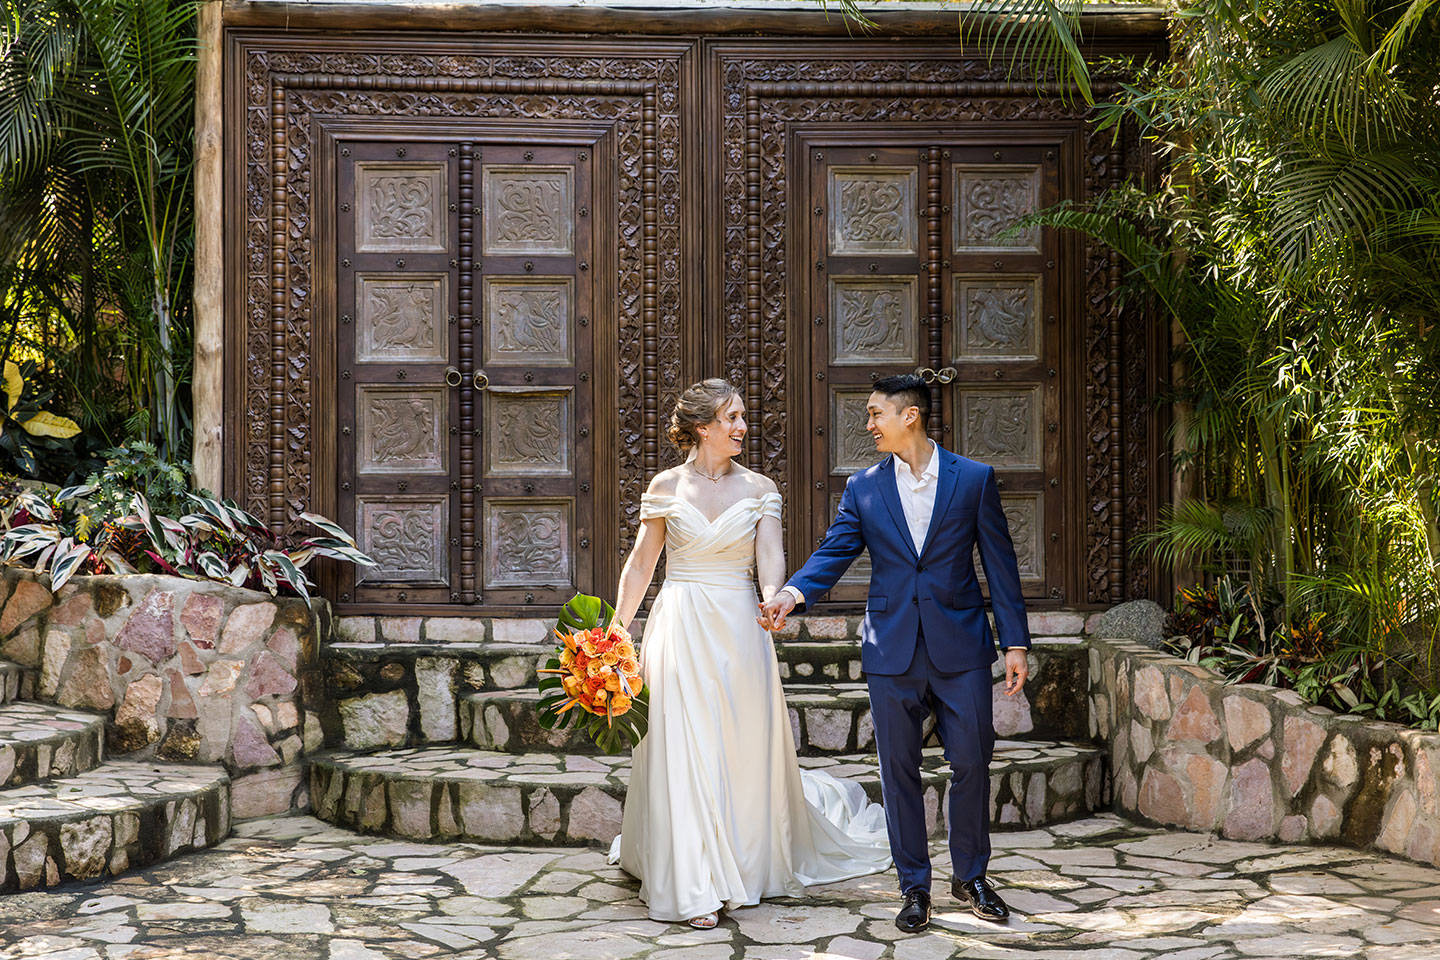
[(915, 600), (919, 568)]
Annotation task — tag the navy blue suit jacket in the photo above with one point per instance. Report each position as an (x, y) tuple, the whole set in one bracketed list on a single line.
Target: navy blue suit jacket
[(937, 587)]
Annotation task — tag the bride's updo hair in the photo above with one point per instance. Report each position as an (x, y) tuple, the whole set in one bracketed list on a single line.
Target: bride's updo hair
[(697, 406)]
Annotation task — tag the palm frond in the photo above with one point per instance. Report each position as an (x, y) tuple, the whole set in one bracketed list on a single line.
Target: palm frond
[(1042, 35)]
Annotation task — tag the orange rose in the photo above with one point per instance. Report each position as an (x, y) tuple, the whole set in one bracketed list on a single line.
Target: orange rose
[(571, 685), (590, 648), (566, 658), (594, 683), (612, 682), (630, 666), (601, 696), (619, 704), (610, 658), (626, 649), (593, 668)]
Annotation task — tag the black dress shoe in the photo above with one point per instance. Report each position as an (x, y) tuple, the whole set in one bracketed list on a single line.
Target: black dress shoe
[(984, 902), (915, 914)]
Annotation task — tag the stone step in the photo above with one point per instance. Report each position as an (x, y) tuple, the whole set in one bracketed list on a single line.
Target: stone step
[(825, 718), (16, 682), (119, 816), (536, 630), (39, 741), (394, 695), (443, 793)]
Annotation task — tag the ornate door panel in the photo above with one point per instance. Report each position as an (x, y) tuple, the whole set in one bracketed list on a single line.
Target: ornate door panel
[(534, 301), (464, 354), (399, 418), (912, 273)]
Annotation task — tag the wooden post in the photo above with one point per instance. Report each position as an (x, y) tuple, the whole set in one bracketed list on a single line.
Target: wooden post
[(209, 363)]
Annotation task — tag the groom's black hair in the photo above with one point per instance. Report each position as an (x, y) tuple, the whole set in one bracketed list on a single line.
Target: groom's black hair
[(906, 390)]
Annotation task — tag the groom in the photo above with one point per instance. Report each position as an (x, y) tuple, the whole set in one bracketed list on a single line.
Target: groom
[(925, 641)]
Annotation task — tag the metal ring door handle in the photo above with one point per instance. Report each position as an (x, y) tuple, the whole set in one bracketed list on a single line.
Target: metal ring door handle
[(479, 380), (452, 377)]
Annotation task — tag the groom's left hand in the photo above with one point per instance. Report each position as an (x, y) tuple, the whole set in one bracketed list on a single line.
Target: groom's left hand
[(1017, 670)]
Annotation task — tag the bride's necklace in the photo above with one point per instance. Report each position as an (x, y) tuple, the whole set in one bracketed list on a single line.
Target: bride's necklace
[(716, 478)]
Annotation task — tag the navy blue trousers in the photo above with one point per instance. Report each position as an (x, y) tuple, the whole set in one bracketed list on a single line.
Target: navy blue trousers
[(899, 704)]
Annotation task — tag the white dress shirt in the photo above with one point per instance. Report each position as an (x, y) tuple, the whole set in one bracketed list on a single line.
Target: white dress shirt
[(917, 500), (917, 497)]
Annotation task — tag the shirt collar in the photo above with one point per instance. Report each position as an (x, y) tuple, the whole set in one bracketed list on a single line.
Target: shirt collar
[(931, 471)]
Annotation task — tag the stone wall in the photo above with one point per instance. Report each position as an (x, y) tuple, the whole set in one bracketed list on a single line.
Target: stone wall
[(185, 670), (1254, 762)]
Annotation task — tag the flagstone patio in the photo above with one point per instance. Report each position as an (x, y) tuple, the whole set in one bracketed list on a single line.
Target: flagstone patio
[(1093, 889)]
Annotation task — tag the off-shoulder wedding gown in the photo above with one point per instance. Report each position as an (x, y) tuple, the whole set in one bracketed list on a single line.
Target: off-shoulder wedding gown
[(718, 811)]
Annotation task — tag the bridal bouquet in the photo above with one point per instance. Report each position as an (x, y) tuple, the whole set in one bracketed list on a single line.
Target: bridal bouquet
[(595, 668)]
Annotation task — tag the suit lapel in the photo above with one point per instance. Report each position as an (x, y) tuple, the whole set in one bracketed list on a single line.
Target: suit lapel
[(944, 493), (890, 493)]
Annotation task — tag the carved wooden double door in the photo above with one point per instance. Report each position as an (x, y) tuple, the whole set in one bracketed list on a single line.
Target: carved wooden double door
[(465, 297), (915, 269)]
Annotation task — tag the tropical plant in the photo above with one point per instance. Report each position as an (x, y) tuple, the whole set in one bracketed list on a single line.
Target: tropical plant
[(54, 536), (96, 143), (22, 410), (222, 542), (138, 468), (64, 534)]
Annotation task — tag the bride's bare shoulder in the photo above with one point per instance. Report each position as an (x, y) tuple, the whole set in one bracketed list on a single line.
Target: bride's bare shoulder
[(664, 483), (759, 484)]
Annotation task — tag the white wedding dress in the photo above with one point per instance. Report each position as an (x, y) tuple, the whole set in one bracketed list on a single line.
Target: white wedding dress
[(718, 812)]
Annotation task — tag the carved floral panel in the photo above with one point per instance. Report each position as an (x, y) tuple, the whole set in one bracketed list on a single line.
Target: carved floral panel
[(872, 210), (406, 536), (872, 320), (1000, 427), (401, 317), (401, 429), (999, 319), (400, 207), (527, 432), (851, 448), (527, 543), (529, 210), (527, 321), (1024, 515), (988, 199)]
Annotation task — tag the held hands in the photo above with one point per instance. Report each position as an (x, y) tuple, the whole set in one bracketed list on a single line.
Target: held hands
[(773, 611), (1017, 670)]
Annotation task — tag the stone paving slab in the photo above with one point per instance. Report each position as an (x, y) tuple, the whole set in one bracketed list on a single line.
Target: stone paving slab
[(549, 798), (120, 815), (1095, 889), (39, 741)]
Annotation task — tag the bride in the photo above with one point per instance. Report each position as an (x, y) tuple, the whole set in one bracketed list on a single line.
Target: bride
[(718, 812)]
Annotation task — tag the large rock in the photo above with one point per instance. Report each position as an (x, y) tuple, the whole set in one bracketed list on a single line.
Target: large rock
[(377, 720), (435, 696), (28, 599), (1140, 620), (150, 631), (88, 684), (136, 722)]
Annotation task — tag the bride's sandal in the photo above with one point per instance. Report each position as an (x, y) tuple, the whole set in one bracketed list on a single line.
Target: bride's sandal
[(706, 922)]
